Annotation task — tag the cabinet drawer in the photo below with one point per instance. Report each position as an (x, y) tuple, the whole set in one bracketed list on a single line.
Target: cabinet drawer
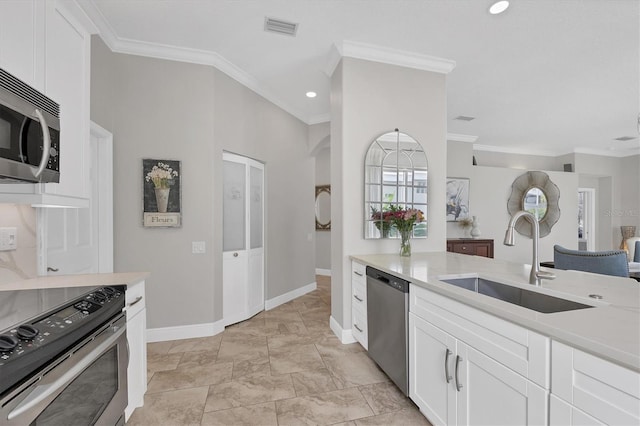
[(134, 299), (358, 272), (601, 389), (523, 351), (359, 291), (359, 326)]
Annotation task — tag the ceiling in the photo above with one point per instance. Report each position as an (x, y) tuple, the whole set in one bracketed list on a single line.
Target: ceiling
[(546, 77)]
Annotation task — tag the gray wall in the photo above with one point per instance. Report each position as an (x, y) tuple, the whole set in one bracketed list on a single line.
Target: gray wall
[(367, 100), (164, 109), (516, 161)]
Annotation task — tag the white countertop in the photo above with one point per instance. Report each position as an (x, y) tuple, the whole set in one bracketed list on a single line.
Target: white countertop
[(611, 330), (82, 280)]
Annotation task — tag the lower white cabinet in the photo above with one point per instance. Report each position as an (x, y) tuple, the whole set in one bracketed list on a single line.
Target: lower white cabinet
[(359, 304), (586, 389), (470, 368), (454, 384), (136, 337)]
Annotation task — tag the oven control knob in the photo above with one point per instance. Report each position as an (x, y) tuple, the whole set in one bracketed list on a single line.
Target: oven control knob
[(27, 332), (99, 296), (7, 342), (109, 291)]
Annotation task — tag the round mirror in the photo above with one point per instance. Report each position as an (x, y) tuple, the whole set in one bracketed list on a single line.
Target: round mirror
[(536, 193), (323, 207), (535, 202), (395, 179)]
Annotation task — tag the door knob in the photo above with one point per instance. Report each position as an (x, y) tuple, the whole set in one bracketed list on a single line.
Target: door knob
[(235, 254)]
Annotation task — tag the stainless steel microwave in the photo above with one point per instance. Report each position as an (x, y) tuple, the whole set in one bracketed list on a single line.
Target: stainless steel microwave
[(29, 133)]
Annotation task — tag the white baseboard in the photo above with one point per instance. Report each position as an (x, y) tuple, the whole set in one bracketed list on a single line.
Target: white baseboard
[(323, 272), (345, 336), (184, 331), (284, 298)]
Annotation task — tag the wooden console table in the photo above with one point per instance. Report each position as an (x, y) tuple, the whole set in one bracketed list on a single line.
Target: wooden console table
[(471, 246)]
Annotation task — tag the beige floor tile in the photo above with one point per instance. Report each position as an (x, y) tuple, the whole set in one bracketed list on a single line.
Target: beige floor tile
[(259, 414), (385, 398), (198, 358), (249, 390), (199, 344), (240, 348), (406, 417), (331, 346), (162, 362), (282, 316), (301, 359), (325, 408), (190, 377), (291, 342), (354, 369), (251, 366), (159, 347), (313, 381), (179, 407)]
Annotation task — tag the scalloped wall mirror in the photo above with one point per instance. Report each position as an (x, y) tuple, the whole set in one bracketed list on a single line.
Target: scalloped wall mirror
[(536, 193)]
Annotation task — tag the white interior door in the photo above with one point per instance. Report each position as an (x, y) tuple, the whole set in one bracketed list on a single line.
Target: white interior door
[(243, 238), (80, 241)]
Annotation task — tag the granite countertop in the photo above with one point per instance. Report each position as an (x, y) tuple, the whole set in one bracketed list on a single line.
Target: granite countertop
[(81, 280), (611, 330)]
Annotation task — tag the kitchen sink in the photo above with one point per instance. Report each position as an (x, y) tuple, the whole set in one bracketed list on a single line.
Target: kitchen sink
[(518, 296)]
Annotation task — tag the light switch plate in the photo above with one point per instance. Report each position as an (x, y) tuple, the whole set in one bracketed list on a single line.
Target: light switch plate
[(8, 239), (198, 247)]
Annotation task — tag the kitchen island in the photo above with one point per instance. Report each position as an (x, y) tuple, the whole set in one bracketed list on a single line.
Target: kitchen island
[(477, 359)]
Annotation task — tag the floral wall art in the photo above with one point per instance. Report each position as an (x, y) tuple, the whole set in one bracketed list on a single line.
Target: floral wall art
[(161, 203)]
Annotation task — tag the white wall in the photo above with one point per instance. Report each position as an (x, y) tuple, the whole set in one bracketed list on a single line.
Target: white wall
[(367, 100), (164, 109)]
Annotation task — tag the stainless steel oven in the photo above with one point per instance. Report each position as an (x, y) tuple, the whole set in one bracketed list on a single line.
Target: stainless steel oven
[(83, 384)]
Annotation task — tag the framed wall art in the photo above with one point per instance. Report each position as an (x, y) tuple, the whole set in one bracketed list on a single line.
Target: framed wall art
[(161, 194), (457, 199)]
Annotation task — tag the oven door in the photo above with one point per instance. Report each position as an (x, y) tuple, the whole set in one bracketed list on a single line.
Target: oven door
[(88, 387)]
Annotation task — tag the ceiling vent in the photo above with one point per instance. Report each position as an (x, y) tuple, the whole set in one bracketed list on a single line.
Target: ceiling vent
[(279, 26), (625, 138), (464, 118)]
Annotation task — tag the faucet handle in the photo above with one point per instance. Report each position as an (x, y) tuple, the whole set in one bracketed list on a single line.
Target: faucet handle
[(544, 275)]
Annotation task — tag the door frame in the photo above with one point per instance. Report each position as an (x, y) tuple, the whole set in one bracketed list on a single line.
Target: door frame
[(590, 216)]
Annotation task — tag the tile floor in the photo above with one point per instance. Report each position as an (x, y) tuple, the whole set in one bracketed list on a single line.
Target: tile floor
[(281, 367)]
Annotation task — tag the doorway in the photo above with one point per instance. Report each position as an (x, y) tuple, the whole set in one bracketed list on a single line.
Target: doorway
[(243, 238), (586, 219)]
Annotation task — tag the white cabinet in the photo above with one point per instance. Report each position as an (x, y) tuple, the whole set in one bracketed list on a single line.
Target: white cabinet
[(44, 44), (468, 367), (587, 389), (359, 303), (136, 337)]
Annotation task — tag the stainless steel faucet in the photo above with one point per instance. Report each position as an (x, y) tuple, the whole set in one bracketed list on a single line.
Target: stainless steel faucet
[(536, 276)]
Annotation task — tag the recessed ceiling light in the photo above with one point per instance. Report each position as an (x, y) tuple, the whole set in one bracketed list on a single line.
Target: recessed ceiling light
[(498, 7), (311, 94)]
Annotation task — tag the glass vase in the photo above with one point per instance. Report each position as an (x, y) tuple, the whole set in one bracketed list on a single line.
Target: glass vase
[(405, 243)]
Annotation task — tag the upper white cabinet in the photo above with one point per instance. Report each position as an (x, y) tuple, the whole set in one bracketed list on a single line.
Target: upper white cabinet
[(43, 44)]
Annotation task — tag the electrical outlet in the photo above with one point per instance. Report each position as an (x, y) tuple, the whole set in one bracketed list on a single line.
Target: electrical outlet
[(198, 247), (8, 239)]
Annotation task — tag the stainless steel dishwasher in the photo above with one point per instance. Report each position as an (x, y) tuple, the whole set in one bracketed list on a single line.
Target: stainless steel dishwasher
[(388, 325)]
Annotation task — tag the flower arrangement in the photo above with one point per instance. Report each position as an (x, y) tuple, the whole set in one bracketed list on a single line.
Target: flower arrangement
[(404, 219), (465, 223), (381, 219), (161, 175)]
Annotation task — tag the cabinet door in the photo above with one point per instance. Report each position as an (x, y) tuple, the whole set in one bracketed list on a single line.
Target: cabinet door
[(20, 40), (562, 413), (492, 394), (431, 355), (67, 82), (136, 337)]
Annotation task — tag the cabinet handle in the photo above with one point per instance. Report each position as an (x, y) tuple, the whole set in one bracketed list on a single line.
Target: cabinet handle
[(446, 366), (46, 144), (358, 273), (139, 298), (358, 328), (458, 384), (357, 298)]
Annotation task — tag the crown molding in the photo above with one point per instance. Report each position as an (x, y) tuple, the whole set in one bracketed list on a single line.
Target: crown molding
[(403, 58), (333, 60), (317, 119), (508, 150), (544, 153), (458, 137), (608, 153), (182, 54)]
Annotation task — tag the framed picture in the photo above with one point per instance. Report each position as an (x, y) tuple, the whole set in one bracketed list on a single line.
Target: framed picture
[(161, 194), (457, 199)]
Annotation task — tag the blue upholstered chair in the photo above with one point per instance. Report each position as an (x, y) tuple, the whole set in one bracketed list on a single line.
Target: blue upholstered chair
[(636, 253), (612, 262)]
